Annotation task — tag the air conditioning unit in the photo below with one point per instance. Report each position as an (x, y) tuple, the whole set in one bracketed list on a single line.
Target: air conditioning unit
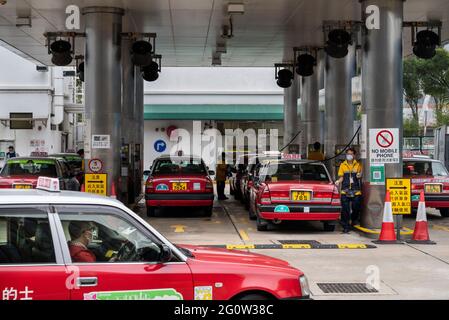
[(236, 8)]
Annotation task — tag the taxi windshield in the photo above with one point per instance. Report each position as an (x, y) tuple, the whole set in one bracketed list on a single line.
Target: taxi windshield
[(424, 168), (29, 167), (179, 166), (277, 172)]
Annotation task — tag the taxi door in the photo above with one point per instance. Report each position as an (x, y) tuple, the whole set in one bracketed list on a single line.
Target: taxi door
[(118, 272), (31, 262)]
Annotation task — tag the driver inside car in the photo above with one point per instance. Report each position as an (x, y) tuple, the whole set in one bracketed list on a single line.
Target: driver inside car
[(81, 235)]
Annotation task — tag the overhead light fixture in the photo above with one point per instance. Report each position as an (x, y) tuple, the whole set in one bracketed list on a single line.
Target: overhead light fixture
[(141, 51), (425, 44), (236, 8), (62, 52), (304, 64), (337, 43), (283, 74), (151, 71)]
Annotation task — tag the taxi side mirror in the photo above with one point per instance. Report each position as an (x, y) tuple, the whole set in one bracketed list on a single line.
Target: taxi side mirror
[(211, 172), (166, 254)]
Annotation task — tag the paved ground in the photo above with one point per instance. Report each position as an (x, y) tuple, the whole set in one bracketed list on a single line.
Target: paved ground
[(405, 271)]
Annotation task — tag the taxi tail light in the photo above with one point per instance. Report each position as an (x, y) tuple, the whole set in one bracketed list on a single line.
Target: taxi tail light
[(209, 185), (266, 197), (5, 186), (322, 195), (149, 184)]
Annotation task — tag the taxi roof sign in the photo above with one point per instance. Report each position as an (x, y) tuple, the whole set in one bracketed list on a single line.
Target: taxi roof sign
[(48, 184)]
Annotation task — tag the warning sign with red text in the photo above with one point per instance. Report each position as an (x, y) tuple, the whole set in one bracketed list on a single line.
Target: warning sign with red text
[(384, 145)]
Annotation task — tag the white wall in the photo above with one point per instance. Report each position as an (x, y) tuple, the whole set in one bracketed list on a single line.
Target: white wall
[(23, 89)]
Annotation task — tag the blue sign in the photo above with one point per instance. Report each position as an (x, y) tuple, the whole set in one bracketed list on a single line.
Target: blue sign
[(162, 187), (160, 146), (281, 208)]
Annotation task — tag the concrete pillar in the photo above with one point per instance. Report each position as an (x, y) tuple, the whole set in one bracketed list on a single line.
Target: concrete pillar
[(138, 129), (103, 88), (128, 127), (291, 114), (382, 91), (339, 113), (311, 112)]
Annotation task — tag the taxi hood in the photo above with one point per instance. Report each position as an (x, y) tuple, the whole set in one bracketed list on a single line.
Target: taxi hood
[(209, 254)]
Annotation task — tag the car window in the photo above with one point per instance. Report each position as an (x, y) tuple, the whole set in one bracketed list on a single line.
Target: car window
[(25, 237), (424, 168), (102, 235), (179, 166), (277, 172), (30, 167)]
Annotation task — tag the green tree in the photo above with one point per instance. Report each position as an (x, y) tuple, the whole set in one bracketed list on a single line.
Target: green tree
[(434, 78), (412, 88), (411, 127)]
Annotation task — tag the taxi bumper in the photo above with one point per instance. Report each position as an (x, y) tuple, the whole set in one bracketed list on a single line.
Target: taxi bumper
[(297, 212), (179, 200), (434, 201)]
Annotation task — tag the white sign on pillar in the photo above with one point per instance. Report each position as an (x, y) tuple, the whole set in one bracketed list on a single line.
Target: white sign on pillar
[(384, 145)]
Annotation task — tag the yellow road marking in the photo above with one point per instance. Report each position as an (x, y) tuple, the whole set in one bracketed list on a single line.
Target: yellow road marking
[(240, 246), (178, 228), (439, 227), (244, 235), (351, 246), (297, 246), (404, 231)]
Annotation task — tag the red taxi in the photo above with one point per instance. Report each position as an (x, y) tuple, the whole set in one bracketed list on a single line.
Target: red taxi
[(294, 190), (430, 176), (178, 181), (71, 245), (23, 172)]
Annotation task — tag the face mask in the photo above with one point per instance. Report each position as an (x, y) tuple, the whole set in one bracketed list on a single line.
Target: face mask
[(349, 157), (89, 237)]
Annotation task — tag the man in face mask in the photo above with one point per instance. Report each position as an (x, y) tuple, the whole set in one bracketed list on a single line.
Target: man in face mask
[(81, 234), (349, 177)]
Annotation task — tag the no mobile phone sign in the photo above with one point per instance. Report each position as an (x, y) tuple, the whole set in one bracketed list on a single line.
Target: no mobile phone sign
[(384, 145)]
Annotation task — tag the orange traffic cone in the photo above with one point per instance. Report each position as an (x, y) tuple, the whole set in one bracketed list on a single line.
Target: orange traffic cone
[(421, 232), (83, 188), (387, 233), (113, 194)]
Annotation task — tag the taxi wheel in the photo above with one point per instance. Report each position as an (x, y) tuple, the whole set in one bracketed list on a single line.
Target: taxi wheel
[(151, 211), (444, 212), (328, 227), (208, 211), (254, 296), (251, 214), (262, 225)]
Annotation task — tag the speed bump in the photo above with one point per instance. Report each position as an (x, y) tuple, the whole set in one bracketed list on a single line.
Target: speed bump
[(314, 245)]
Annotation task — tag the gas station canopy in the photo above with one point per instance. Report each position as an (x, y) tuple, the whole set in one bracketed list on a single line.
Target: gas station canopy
[(188, 30)]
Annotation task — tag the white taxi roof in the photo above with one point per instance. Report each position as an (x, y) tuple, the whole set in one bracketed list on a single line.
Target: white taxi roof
[(35, 196)]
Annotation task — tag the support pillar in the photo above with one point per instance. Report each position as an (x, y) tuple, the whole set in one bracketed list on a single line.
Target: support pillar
[(139, 123), (291, 115), (311, 112), (103, 89), (128, 184), (382, 91), (339, 113)]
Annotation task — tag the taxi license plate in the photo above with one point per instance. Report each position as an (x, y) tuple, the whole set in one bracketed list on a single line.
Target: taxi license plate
[(22, 186), (301, 195), (179, 186), (432, 188)]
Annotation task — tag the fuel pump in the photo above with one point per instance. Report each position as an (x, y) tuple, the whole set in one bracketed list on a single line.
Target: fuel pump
[(138, 170), (124, 169)]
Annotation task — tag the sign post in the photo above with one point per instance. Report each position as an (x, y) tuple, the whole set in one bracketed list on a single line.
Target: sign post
[(401, 202)]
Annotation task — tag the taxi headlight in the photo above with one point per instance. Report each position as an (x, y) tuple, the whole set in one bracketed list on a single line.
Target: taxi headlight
[(304, 285)]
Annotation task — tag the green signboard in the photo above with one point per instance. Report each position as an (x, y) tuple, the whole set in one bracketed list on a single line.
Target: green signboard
[(377, 174)]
